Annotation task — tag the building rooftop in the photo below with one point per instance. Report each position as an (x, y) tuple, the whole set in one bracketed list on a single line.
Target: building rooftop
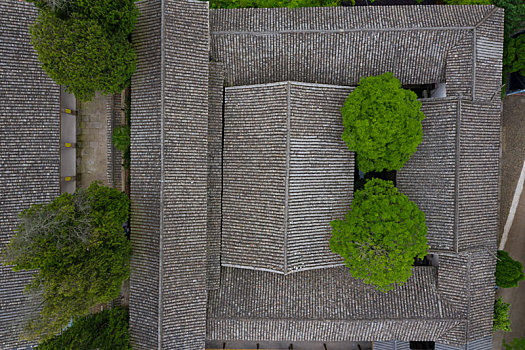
[(29, 151), (278, 173), (238, 167)]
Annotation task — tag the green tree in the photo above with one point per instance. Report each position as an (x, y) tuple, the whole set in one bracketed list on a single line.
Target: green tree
[(509, 272), (514, 55), (106, 330), (381, 235), (515, 344), (81, 256), (84, 45), (78, 54), (501, 315), (382, 123)]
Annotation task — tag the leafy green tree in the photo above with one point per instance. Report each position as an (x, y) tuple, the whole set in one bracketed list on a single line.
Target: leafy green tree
[(77, 53), (106, 330), (509, 272), (84, 45), (381, 235), (382, 123), (514, 55), (81, 256), (515, 344), (501, 315)]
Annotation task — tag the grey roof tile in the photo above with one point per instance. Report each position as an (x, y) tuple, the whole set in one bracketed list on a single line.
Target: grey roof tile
[(287, 174), (29, 151)]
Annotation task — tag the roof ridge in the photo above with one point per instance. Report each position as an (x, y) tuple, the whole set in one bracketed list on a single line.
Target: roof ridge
[(488, 15), (341, 320)]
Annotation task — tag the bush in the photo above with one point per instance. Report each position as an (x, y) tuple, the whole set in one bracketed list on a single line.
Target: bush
[(121, 137), (508, 271), (106, 330), (515, 344), (514, 55), (229, 4), (382, 123), (121, 140), (501, 315), (85, 45), (381, 235), (82, 255)]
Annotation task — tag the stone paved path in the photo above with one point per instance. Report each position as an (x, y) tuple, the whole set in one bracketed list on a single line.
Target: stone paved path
[(92, 139)]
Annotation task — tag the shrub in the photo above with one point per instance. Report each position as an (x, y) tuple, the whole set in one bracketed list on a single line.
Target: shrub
[(228, 4), (515, 344), (382, 123), (121, 137), (106, 330), (508, 271), (381, 235), (121, 140), (77, 244), (501, 315), (514, 55)]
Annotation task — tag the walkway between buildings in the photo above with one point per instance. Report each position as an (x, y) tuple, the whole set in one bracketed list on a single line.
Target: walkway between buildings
[(514, 119)]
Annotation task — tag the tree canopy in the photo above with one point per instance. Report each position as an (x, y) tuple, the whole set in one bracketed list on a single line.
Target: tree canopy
[(81, 256), (514, 15), (514, 55), (382, 123), (509, 272), (84, 45), (381, 235), (106, 330)]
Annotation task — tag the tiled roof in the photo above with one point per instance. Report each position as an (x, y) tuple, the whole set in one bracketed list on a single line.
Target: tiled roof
[(340, 45), (29, 150), (145, 190), (461, 141), (169, 119), (326, 304), (453, 177), (287, 174), (214, 202), (276, 139)]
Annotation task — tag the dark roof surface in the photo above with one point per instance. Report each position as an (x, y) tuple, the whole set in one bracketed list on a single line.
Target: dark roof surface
[(461, 141), (214, 202), (260, 305), (340, 45), (453, 176), (277, 137), (287, 174), (29, 150), (169, 128)]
